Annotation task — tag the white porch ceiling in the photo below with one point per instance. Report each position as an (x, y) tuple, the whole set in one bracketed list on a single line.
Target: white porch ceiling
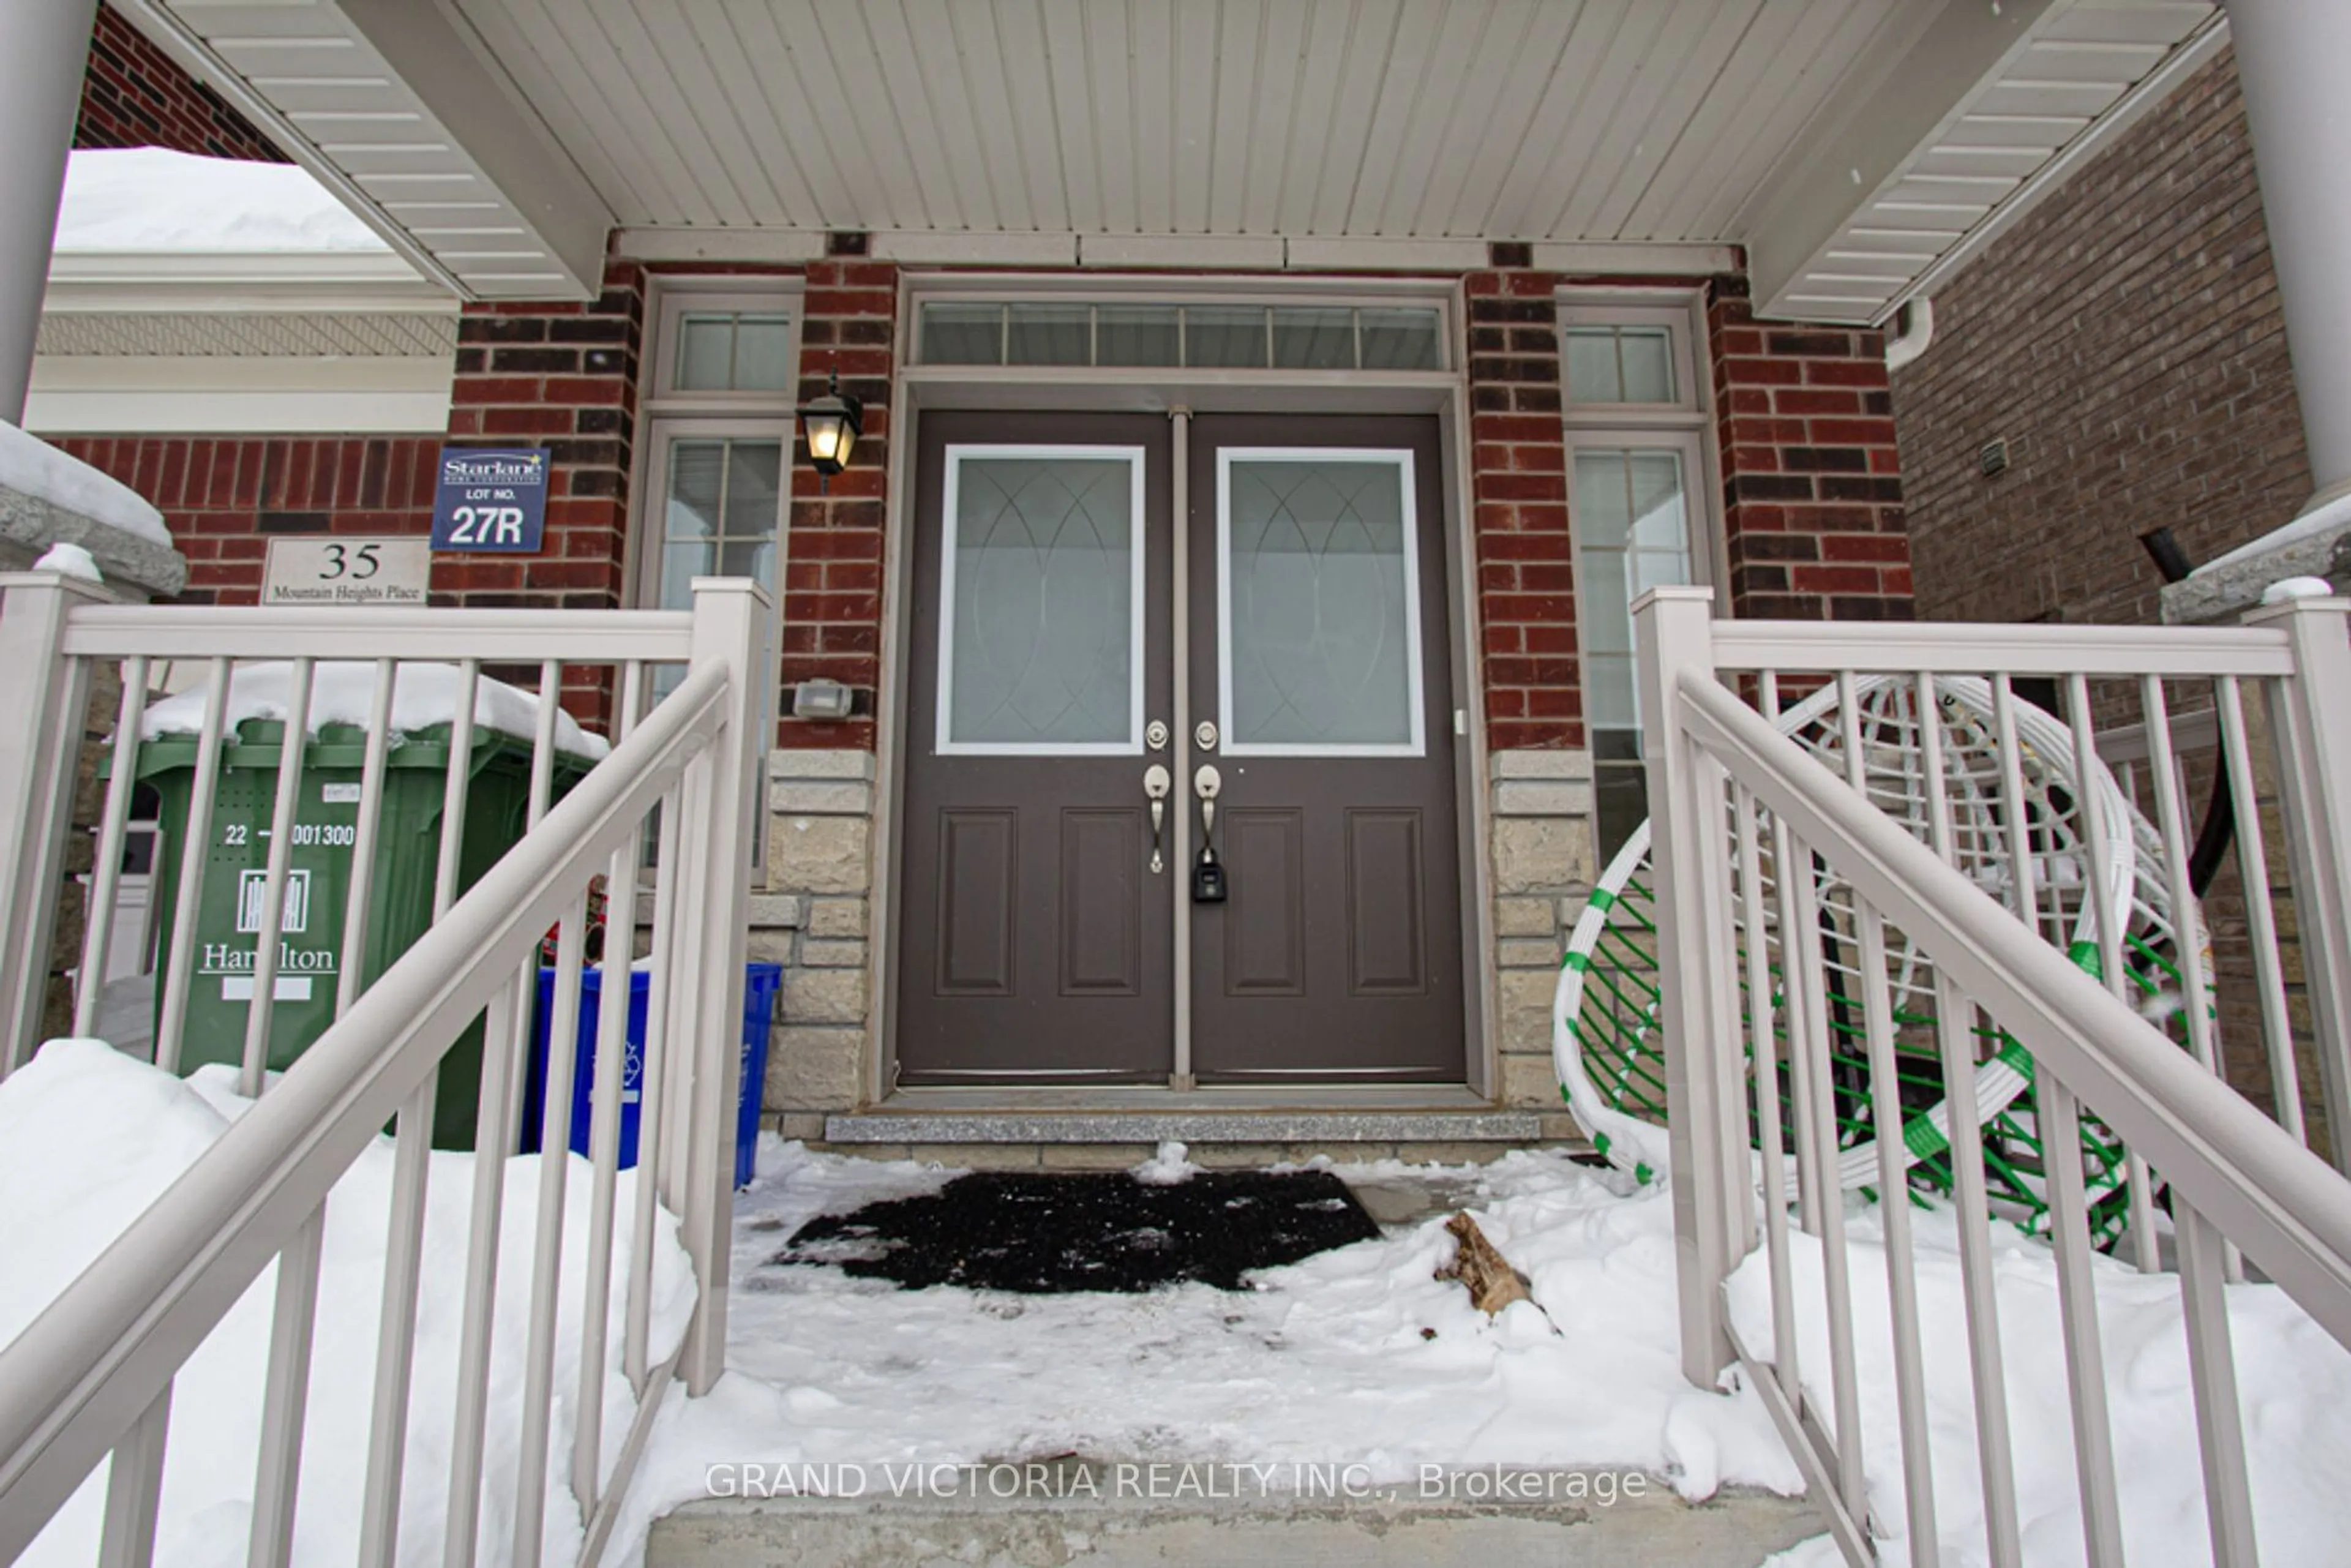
[(1852, 144)]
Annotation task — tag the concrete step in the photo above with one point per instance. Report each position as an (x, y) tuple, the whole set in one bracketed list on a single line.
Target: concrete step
[(1225, 1518)]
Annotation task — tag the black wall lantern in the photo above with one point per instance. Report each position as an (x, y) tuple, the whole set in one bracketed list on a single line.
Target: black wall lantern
[(830, 426)]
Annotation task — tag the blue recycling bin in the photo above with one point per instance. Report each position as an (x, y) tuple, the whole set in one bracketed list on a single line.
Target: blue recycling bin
[(761, 982)]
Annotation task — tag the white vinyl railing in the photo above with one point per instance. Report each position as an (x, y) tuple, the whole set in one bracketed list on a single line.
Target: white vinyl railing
[(92, 1376), (1750, 828)]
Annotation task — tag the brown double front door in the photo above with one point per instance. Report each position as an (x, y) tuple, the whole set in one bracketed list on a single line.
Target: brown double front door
[(1039, 893)]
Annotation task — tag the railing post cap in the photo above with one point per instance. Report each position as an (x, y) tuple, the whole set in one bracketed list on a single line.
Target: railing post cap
[(749, 587), (2297, 596), (79, 587), (1675, 594)]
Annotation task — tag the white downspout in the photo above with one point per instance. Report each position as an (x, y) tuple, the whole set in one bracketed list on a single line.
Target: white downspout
[(1915, 321), (44, 46)]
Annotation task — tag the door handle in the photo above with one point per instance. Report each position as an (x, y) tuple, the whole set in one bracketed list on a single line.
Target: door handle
[(1207, 873), (1207, 783), (1156, 783)]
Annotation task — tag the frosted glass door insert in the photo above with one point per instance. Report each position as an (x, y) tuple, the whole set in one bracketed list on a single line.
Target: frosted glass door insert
[(1040, 642), (1319, 606)]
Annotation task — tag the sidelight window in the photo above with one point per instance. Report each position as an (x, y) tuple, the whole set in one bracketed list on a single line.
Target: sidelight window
[(1637, 505)]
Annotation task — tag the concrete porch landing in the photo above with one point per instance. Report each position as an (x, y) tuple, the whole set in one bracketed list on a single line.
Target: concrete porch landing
[(1655, 1530)]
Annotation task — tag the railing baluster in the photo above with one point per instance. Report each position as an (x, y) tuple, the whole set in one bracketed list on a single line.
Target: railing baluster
[(1886, 1120), (547, 1258), (1797, 982), (410, 1171), (106, 871), (285, 1396), (1766, 1077), (261, 1011), (188, 858), (608, 1081), (1955, 1042), (2213, 1373), (542, 790), (654, 1108), (2077, 1306), (2108, 922), (134, 1489), (1836, 1285), (477, 1317), (357, 909), (2260, 913)]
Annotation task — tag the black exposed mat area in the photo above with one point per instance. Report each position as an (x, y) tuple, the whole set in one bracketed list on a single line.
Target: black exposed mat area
[(1047, 1235)]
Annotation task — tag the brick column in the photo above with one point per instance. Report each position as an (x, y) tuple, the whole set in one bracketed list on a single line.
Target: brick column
[(563, 376), (832, 580), (1812, 487), (1526, 574)]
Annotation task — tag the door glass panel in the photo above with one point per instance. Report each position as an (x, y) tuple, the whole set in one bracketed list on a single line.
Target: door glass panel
[(1320, 604), (1042, 645)]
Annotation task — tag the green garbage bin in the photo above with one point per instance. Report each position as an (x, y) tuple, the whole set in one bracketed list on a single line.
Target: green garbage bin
[(234, 865)]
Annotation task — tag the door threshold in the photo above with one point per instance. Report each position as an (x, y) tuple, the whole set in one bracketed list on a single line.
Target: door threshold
[(1201, 1117), (1258, 1097)]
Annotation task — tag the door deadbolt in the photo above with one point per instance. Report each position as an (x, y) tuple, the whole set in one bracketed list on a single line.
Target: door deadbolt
[(1155, 735), (1204, 734)]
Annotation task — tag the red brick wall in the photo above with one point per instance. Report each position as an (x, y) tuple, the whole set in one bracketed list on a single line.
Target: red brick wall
[(833, 584), (135, 95), (225, 496), (1812, 497), (1526, 574), (562, 376), (2124, 339), (1813, 517)]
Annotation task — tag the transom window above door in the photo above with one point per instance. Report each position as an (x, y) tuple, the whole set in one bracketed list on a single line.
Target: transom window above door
[(1142, 335)]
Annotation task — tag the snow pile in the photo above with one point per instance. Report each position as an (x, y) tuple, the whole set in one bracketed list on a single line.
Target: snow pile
[(2294, 1380), (1355, 1356), (89, 1138), (70, 561), (29, 464), (1166, 1167), (344, 692), (151, 199)]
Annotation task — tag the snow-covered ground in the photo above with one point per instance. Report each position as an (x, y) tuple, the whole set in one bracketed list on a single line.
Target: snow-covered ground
[(1358, 1357), (89, 1137), (1329, 1362)]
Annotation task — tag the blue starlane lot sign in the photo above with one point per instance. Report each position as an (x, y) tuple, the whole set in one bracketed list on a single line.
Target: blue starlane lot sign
[(493, 501)]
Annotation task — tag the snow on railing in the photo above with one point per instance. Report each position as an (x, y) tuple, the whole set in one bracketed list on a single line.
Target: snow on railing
[(93, 1375), (1844, 943)]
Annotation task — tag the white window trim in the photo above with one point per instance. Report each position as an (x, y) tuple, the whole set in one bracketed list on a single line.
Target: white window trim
[(1686, 425), (665, 436), (1401, 457), (1137, 603), (1689, 410), (664, 416), (752, 297)]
